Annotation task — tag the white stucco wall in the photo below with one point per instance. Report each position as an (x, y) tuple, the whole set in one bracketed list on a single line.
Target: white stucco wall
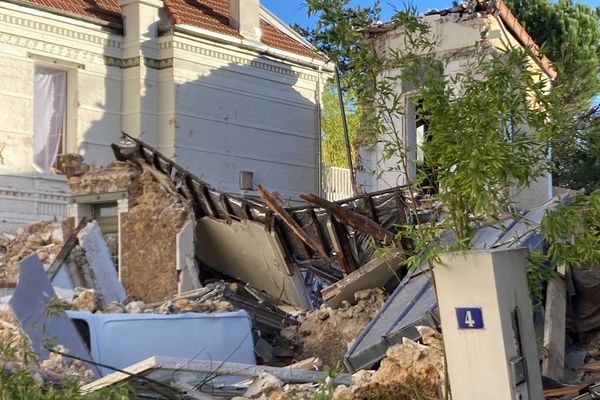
[(238, 111), (216, 108), (28, 37)]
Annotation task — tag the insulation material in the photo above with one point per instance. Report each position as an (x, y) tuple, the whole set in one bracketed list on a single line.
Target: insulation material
[(149, 240), (248, 252)]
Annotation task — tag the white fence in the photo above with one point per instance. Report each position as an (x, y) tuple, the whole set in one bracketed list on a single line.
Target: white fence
[(337, 184)]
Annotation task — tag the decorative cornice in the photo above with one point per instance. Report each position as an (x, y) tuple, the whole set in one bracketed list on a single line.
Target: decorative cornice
[(87, 56), (243, 61), (53, 28), (136, 62), (51, 48)]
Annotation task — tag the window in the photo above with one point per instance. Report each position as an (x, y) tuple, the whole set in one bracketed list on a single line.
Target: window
[(107, 217), (49, 116), (422, 136), (84, 331)]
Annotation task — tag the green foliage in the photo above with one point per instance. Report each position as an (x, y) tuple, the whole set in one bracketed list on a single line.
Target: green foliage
[(573, 231), (489, 128), (23, 385), (336, 32), (569, 34), (334, 147)]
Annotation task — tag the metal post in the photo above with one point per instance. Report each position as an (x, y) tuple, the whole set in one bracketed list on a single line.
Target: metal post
[(345, 126)]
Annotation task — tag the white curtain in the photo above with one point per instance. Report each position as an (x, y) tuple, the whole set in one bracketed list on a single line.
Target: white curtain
[(49, 100)]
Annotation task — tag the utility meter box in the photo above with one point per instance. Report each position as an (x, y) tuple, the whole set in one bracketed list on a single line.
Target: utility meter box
[(487, 322)]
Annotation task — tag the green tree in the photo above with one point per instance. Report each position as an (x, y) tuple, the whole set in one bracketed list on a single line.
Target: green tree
[(569, 34), (334, 146), (336, 34)]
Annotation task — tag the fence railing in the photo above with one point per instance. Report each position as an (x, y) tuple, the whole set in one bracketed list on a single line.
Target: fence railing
[(337, 184)]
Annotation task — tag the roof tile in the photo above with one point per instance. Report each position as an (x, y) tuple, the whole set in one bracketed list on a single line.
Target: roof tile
[(212, 15)]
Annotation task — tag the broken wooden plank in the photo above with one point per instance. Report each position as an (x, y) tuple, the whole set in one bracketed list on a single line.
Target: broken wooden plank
[(291, 223), (64, 252), (565, 391), (351, 218), (593, 366), (554, 330), (373, 274), (196, 370)]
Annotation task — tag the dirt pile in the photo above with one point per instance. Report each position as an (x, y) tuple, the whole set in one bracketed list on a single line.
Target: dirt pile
[(44, 238), (410, 370), (327, 332)]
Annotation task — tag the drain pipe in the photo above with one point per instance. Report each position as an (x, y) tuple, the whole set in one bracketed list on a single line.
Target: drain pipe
[(345, 127)]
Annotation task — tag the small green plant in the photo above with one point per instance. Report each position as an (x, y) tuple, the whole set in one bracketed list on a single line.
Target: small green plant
[(19, 382)]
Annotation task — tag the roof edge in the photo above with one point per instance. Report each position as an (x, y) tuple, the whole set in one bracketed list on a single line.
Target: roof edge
[(524, 38), (67, 14)]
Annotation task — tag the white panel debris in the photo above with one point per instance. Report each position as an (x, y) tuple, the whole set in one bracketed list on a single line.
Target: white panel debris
[(100, 264)]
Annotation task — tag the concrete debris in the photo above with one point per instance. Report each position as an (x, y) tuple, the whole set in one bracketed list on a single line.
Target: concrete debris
[(264, 385), (44, 238), (65, 366), (326, 333), (86, 300), (115, 177), (410, 370)]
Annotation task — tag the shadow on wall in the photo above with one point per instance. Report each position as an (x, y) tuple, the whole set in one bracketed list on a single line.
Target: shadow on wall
[(251, 115), (247, 115)]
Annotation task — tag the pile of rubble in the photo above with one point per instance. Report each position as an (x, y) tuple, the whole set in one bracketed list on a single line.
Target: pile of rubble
[(409, 371), (260, 263), (44, 238), (327, 332), (89, 300)]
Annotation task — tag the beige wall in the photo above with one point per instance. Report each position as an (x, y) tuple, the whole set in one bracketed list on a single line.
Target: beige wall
[(454, 37)]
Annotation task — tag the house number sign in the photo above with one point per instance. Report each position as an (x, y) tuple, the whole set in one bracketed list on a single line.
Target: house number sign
[(469, 318)]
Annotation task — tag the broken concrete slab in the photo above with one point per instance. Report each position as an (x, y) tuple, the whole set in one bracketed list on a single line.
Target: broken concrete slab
[(85, 262), (373, 274), (163, 370), (248, 252), (106, 281), (42, 320)]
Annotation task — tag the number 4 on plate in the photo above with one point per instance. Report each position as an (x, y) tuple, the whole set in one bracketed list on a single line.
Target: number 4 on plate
[(469, 317)]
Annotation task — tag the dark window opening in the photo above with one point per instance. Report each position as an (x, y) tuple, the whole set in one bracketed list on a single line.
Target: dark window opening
[(429, 183), (84, 331)]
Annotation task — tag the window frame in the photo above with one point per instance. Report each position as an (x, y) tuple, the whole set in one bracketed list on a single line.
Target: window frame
[(68, 141)]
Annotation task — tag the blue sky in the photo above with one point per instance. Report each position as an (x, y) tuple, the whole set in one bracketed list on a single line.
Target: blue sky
[(295, 11)]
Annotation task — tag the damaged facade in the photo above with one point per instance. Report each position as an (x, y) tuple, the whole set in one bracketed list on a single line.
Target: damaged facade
[(461, 30), (214, 294), (224, 82)]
